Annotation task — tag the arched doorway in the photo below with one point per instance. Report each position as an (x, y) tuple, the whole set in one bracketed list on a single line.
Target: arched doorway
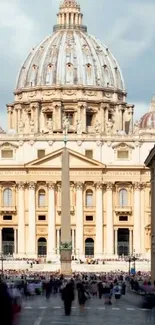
[(89, 247), (123, 242), (42, 247), (8, 241)]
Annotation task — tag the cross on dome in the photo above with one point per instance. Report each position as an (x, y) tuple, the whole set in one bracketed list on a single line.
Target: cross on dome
[(69, 16)]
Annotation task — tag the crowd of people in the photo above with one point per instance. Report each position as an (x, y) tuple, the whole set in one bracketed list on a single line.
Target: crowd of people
[(18, 285)]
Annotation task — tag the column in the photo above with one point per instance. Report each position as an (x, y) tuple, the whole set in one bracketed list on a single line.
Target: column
[(73, 241), (142, 215), (79, 220), (58, 240), (9, 111), (72, 18), (1, 250), (32, 222), (21, 219), (110, 232), (76, 19), (131, 241), (116, 241), (99, 221), (67, 18), (51, 249), (137, 219)]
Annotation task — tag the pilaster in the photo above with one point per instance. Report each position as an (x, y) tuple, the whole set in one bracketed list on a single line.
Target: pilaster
[(99, 220), (32, 221), (79, 220), (110, 231), (51, 246), (137, 218), (21, 219)]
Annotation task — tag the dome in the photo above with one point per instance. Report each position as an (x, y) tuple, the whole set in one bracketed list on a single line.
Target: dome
[(70, 56), (147, 121)]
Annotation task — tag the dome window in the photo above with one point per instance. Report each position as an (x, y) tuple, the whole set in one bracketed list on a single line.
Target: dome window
[(69, 65), (88, 65), (50, 65), (34, 66), (104, 66), (116, 68)]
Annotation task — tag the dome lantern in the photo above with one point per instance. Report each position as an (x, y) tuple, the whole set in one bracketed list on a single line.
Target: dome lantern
[(69, 16)]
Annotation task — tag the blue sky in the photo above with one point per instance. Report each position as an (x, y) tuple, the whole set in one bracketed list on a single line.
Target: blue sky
[(127, 27)]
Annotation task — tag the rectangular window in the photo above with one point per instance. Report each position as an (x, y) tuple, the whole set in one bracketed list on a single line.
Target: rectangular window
[(89, 154), (7, 154), (89, 218), (89, 119), (70, 117), (41, 218), (122, 154), (7, 218), (41, 153), (123, 218)]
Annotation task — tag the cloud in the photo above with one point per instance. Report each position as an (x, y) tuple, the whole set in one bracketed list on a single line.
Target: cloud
[(17, 26), (133, 33)]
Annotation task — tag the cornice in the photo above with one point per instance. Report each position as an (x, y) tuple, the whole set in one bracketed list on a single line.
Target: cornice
[(73, 87)]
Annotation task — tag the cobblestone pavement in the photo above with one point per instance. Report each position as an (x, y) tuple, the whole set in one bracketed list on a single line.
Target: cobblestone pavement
[(127, 311)]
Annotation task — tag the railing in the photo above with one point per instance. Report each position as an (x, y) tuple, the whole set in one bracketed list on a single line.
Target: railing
[(70, 26), (8, 208), (120, 209)]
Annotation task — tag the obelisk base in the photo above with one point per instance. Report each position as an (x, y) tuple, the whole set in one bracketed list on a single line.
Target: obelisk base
[(65, 266)]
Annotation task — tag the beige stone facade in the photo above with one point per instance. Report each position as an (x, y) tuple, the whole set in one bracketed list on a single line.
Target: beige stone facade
[(109, 184)]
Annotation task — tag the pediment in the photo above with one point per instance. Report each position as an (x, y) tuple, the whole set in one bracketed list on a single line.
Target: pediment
[(122, 146), (54, 160), (8, 145)]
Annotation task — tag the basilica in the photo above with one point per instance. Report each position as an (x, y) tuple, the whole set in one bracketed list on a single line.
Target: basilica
[(71, 81)]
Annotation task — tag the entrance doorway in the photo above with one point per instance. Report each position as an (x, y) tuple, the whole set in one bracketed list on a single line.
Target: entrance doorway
[(123, 242), (89, 247), (8, 241), (42, 247)]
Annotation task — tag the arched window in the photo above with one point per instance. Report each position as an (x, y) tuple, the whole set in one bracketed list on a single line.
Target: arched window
[(89, 198), (41, 198), (7, 197), (123, 197), (42, 247)]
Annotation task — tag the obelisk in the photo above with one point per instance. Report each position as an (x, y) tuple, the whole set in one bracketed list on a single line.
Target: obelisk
[(65, 247)]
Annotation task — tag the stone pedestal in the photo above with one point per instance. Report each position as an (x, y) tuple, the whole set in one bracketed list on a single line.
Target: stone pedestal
[(65, 257)]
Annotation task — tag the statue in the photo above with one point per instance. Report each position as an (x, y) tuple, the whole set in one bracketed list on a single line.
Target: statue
[(97, 127), (78, 127), (136, 128), (31, 124), (50, 125), (65, 124), (21, 126), (109, 127)]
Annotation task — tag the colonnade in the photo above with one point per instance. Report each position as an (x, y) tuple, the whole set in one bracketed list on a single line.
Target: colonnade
[(26, 236)]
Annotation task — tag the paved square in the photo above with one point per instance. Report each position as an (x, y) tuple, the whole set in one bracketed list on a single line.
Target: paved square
[(127, 311)]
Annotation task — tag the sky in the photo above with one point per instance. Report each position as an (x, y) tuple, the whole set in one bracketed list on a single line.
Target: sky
[(127, 27)]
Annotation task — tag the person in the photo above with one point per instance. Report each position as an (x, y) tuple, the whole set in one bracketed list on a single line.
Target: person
[(117, 291), (107, 293), (82, 295), (6, 310), (68, 297), (100, 289)]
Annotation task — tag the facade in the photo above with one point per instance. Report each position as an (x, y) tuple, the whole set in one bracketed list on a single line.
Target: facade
[(71, 82), (150, 162)]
